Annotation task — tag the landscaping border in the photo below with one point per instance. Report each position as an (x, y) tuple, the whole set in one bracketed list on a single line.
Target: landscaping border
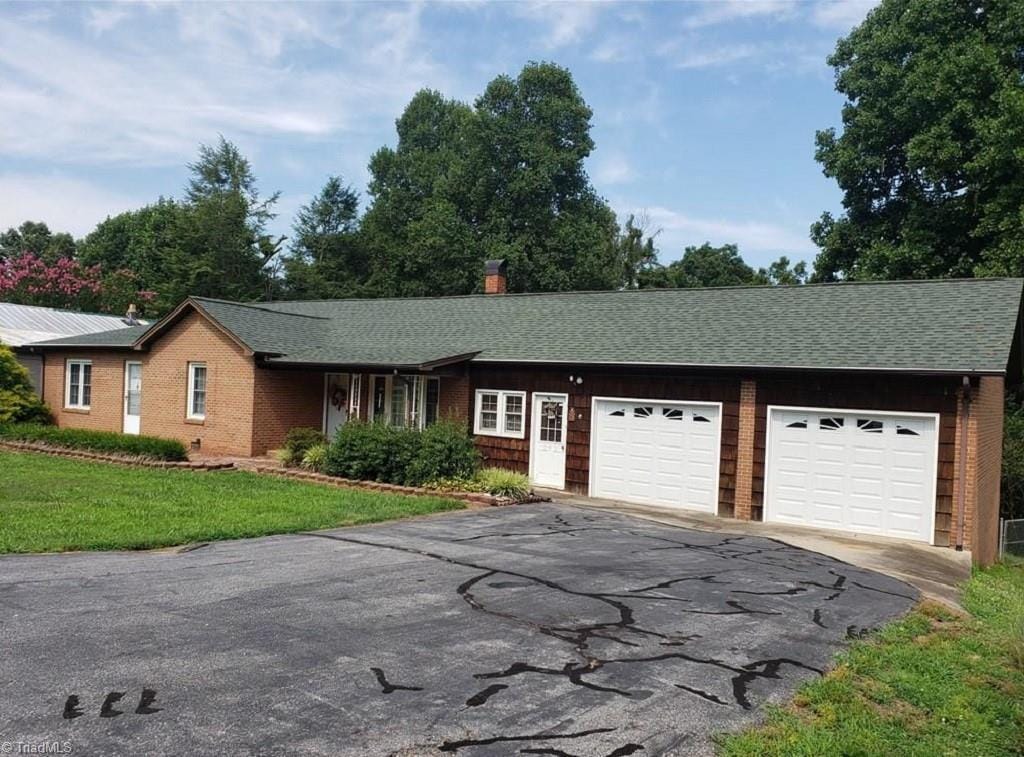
[(145, 462), (480, 498)]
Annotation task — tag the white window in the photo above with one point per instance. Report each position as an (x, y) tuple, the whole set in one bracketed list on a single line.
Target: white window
[(78, 384), (197, 391), (353, 395), (500, 413), (405, 400)]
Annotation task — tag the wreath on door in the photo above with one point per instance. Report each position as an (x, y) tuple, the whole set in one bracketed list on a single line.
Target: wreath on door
[(339, 397)]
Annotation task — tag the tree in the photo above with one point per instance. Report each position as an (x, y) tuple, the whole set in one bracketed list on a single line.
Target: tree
[(503, 179), (326, 259), (67, 283), (636, 252), (782, 272), (150, 242), (19, 402), (229, 212), (931, 155), (704, 266), (36, 238)]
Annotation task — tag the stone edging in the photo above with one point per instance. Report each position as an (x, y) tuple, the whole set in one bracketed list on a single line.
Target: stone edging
[(144, 462), (479, 498)]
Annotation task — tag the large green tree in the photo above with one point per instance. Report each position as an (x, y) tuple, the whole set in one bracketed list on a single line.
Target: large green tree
[(326, 259), (931, 154), (501, 179), (703, 266), (36, 238), (212, 243)]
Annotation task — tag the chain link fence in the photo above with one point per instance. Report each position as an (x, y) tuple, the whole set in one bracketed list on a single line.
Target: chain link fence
[(1011, 537)]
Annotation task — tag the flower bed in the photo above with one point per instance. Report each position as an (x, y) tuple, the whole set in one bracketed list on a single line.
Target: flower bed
[(146, 462), (322, 478)]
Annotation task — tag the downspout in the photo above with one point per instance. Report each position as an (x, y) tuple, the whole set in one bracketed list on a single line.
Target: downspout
[(965, 418)]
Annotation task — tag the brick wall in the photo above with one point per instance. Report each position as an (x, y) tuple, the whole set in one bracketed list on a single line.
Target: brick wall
[(107, 404), (745, 449), (284, 400), (987, 425), (454, 402), (228, 426)]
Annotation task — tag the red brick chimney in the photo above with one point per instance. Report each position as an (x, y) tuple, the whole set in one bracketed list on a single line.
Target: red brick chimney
[(495, 279)]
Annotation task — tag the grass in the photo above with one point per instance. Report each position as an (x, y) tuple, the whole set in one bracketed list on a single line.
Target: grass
[(933, 683), (52, 504)]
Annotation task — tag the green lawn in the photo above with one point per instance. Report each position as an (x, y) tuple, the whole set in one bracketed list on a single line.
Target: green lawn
[(49, 504), (933, 683)]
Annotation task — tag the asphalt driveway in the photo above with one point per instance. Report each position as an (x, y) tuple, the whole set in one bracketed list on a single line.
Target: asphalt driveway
[(536, 629)]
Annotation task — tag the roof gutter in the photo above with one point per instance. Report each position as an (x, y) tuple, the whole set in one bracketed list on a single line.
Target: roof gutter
[(751, 367)]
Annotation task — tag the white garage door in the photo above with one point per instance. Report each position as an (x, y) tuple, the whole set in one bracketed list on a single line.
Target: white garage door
[(658, 453), (867, 472)]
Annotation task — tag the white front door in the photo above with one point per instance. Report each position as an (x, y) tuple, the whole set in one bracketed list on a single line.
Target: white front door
[(336, 402), (862, 471), (132, 397), (547, 440), (659, 453)]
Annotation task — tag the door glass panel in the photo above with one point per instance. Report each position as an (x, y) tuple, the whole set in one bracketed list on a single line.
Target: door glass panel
[(551, 421), (134, 401)]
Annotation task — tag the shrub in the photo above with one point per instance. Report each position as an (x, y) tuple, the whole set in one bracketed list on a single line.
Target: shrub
[(501, 482), (298, 441), (446, 451), (285, 456), (19, 402), (96, 441), (378, 452), (315, 458), (1011, 489)]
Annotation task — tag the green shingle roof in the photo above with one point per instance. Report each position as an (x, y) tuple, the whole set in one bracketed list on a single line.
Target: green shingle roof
[(116, 338), (955, 326)]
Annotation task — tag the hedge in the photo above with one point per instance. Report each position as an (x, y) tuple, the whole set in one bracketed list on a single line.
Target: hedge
[(95, 441), (378, 452)]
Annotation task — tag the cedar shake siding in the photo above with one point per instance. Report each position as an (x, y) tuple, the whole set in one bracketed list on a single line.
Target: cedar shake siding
[(660, 385)]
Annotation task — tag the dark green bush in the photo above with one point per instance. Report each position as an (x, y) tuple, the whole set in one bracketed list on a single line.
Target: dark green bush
[(377, 452), (19, 402), (299, 440), (446, 451), (96, 441), (1011, 488)]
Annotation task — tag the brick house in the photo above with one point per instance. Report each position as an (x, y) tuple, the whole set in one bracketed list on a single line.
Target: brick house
[(875, 408)]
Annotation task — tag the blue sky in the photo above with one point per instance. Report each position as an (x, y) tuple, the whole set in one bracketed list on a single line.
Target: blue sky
[(704, 112)]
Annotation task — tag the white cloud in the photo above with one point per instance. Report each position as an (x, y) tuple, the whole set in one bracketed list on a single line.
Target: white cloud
[(106, 17), (685, 57), (64, 203), (758, 241), (841, 14), (565, 22), (726, 11), (612, 169), (173, 76)]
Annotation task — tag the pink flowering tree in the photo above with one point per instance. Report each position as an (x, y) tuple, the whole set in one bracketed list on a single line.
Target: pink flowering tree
[(27, 279)]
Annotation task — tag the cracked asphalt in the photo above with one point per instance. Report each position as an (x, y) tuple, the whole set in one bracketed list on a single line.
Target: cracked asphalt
[(538, 629)]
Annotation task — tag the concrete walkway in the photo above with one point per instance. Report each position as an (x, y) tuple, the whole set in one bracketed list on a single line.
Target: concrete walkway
[(936, 572)]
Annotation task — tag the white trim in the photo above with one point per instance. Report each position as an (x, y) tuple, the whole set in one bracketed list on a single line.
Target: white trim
[(355, 388), (80, 405), (192, 387), (699, 403), (500, 431), (766, 499), (124, 413), (565, 431)]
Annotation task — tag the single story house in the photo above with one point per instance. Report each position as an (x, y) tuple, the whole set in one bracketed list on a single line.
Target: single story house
[(24, 324), (874, 408)]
